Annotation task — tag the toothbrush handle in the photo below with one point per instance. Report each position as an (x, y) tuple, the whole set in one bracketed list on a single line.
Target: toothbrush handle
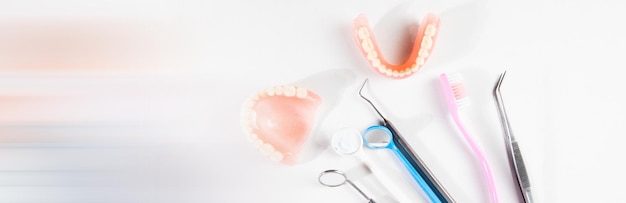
[(484, 164), (419, 179)]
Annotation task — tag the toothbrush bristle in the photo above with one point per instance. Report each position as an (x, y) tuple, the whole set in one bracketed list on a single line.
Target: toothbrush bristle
[(458, 89)]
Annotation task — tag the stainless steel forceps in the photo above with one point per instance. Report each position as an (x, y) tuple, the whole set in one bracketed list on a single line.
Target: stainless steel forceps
[(512, 148)]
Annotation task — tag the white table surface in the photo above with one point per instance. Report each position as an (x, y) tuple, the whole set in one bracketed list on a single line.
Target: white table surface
[(159, 121)]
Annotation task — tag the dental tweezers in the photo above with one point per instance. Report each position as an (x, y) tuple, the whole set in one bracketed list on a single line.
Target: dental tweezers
[(411, 156), (516, 161)]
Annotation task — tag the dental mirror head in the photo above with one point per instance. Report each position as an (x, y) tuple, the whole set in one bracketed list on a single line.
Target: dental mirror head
[(332, 178), (376, 137), (335, 178), (347, 141)]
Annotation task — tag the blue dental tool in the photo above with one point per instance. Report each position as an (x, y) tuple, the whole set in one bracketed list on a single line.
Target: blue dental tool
[(424, 177)]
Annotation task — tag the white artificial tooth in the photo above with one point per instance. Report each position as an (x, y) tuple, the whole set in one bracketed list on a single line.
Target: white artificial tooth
[(267, 149), (290, 91), (401, 74), (367, 45), (423, 53), (251, 114), (395, 73), (414, 68), (427, 42), (370, 43), (376, 62), (388, 72), (382, 68), (258, 143), (262, 149), (245, 115), (278, 90), (252, 137), (430, 30), (419, 61), (252, 118), (363, 33), (251, 104), (301, 92), (276, 156), (245, 125), (270, 91), (372, 55)]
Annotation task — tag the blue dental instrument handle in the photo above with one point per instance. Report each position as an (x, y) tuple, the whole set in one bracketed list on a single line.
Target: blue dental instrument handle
[(417, 163), (414, 173)]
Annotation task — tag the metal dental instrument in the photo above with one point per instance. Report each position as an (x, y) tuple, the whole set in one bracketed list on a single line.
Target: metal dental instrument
[(512, 148), (335, 178), (411, 157)]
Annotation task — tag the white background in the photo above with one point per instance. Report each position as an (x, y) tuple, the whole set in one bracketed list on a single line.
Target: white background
[(203, 59)]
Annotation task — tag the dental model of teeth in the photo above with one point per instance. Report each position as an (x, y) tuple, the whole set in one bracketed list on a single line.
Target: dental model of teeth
[(279, 120), (422, 47)]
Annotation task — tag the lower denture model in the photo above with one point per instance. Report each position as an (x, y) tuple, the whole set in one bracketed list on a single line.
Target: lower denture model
[(422, 47), (279, 121)]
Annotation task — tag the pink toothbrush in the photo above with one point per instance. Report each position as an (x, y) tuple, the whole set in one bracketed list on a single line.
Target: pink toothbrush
[(456, 97)]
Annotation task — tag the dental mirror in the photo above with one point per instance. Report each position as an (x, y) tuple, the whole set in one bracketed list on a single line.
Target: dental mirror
[(332, 178), (336, 178), (378, 137)]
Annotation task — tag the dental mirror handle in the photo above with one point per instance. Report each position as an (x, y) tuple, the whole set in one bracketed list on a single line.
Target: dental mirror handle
[(419, 165), (416, 176), (361, 192)]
